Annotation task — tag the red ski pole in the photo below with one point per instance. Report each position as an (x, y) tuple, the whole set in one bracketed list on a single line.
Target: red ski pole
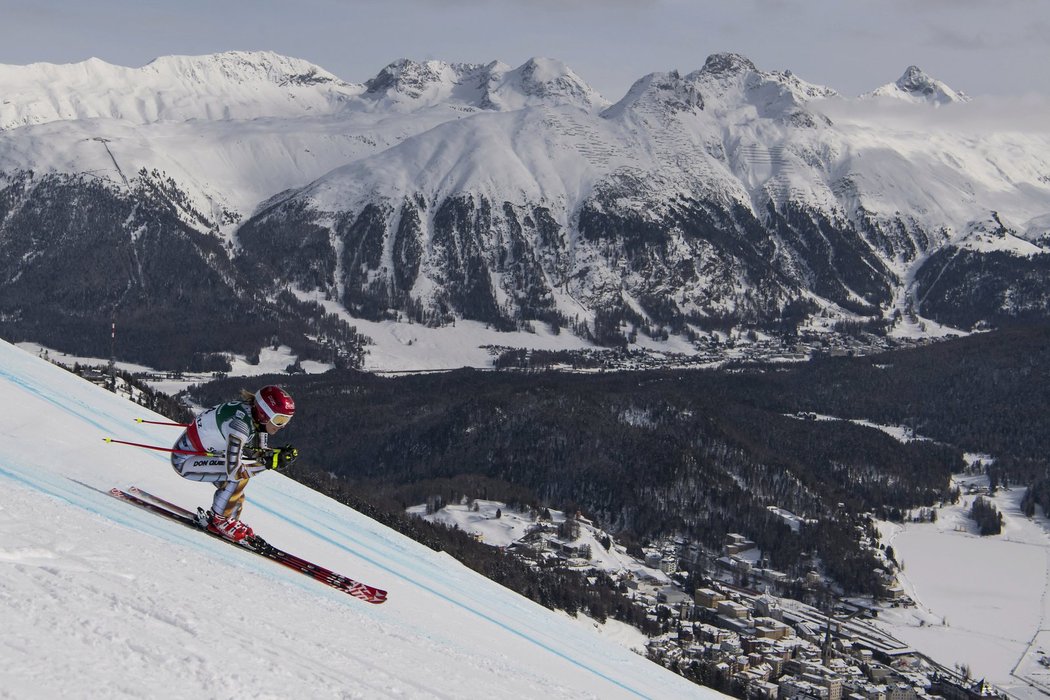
[(161, 449), (160, 422)]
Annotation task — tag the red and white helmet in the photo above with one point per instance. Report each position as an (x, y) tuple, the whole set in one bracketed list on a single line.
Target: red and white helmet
[(273, 405)]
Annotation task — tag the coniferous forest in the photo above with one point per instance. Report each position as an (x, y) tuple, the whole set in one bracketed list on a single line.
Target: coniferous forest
[(691, 453)]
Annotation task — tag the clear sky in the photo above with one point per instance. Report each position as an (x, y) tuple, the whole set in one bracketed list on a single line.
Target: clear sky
[(982, 47)]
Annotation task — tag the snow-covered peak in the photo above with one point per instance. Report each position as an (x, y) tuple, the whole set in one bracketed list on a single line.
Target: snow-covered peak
[(406, 80), (730, 82), (727, 65), (730, 73), (662, 92), (916, 86), (243, 67), (493, 86), (231, 85), (540, 80)]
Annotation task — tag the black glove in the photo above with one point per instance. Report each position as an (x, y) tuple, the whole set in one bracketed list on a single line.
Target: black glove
[(280, 458)]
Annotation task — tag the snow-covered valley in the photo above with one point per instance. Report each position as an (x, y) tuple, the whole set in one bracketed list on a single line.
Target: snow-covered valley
[(980, 601)]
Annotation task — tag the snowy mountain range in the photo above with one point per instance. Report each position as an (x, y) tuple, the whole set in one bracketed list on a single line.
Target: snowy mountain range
[(725, 197), (104, 600)]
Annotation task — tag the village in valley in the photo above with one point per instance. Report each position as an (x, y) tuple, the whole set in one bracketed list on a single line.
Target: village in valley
[(725, 621)]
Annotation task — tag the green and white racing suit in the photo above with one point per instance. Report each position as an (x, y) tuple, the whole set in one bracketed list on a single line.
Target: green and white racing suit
[(220, 446)]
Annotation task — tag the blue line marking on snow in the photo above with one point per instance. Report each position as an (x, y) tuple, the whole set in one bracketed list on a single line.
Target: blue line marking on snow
[(130, 517), (452, 600), (54, 490), (13, 476), (64, 404)]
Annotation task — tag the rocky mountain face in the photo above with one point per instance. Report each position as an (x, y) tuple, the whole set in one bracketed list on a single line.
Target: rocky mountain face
[(75, 252), (725, 197)]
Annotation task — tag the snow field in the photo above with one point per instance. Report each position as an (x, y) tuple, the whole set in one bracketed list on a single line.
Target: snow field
[(981, 601)]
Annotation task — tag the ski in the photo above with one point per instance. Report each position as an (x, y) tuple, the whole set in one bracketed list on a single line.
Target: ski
[(136, 491), (155, 504)]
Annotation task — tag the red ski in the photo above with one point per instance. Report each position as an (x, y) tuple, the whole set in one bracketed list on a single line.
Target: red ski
[(155, 504)]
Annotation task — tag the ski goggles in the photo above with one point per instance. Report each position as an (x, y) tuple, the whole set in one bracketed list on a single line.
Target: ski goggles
[(280, 419)]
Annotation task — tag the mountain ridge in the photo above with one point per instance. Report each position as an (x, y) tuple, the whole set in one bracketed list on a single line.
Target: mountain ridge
[(725, 197), (536, 77)]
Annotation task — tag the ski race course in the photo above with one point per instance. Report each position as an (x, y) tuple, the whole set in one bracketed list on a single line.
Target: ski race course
[(102, 599)]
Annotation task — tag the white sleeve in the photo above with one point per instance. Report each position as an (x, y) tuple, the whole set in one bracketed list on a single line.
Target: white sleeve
[(235, 443), (234, 448)]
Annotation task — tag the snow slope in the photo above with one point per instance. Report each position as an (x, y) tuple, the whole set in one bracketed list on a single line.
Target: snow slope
[(101, 599), (239, 127), (222, 86)]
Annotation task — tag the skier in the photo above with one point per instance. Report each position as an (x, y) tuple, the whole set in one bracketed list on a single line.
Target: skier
[(227, 445)]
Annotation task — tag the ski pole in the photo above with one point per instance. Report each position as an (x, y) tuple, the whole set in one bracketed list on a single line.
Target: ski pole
[(161, 449), (160, 422)]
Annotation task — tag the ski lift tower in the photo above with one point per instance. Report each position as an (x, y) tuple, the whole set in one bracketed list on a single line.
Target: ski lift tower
[(113, 356)]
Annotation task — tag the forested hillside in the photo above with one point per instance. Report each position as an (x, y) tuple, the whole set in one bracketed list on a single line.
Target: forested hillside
[(77, 254), (699, 453)]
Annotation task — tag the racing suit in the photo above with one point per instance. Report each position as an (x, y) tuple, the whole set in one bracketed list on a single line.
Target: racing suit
[(224, 443)]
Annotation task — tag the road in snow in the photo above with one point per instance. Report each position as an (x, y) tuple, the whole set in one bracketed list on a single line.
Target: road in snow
[(100, 599)]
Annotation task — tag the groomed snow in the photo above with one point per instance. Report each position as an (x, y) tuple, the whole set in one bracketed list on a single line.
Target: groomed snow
[(100, 599)]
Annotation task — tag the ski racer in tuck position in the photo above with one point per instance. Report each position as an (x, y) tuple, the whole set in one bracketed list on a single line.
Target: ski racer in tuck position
[(229, 444)]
